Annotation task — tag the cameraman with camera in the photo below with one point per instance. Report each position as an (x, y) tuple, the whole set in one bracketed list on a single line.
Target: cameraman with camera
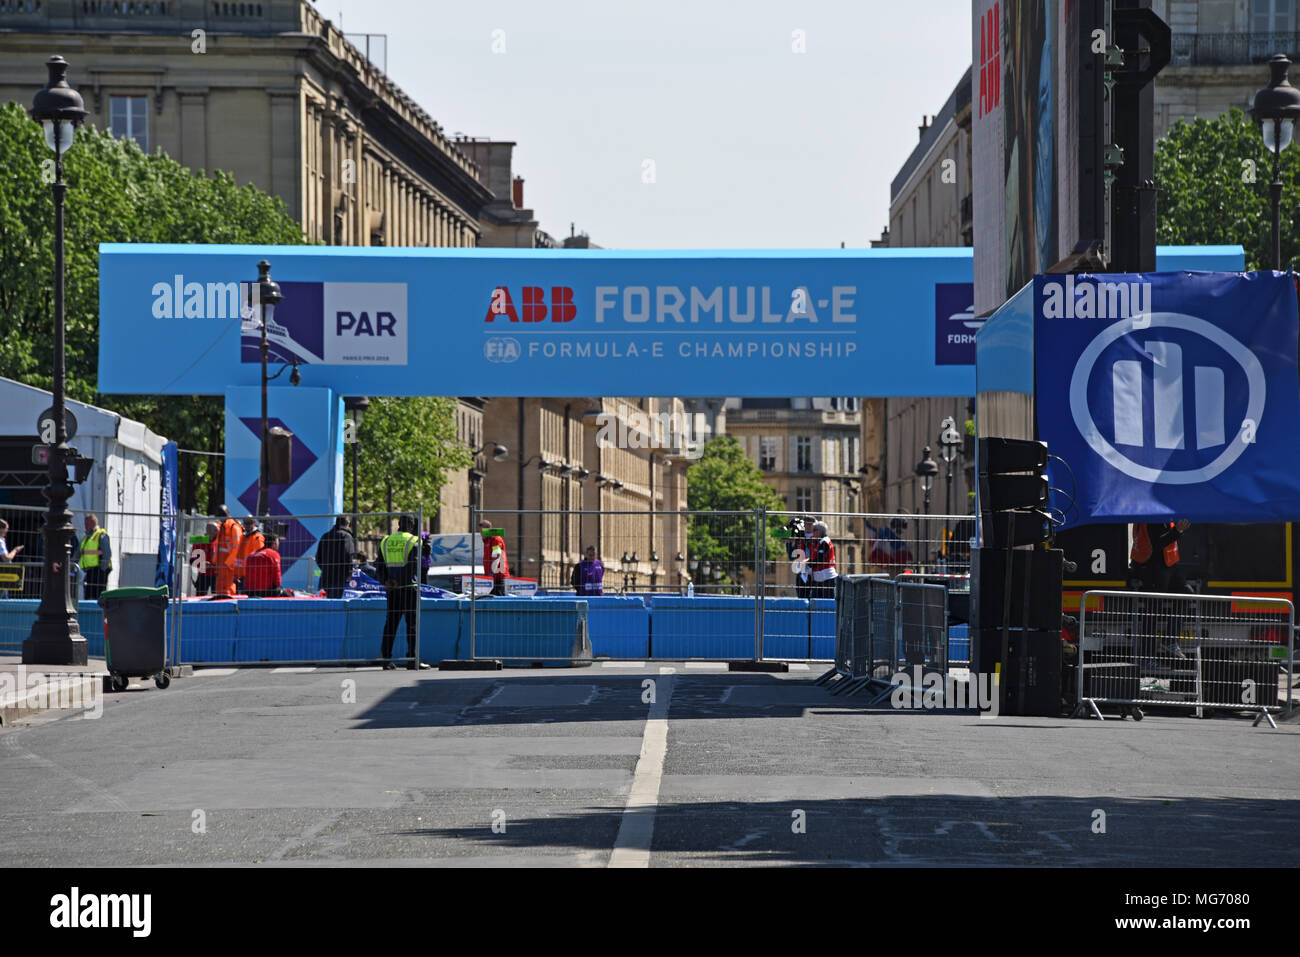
[(798, 548)]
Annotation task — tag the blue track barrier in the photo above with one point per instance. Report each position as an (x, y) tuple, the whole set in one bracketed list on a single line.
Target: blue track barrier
[(209, 630), (364, 631), (90, 619), (16, 618), (786, 628), (526, 631), (444, 630), (958, 642), (713, 627), (289, 629), (823, 628), (619, 625)]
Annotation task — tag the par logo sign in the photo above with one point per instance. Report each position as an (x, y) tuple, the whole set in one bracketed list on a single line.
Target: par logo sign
[(317, 323), (1170, 394)]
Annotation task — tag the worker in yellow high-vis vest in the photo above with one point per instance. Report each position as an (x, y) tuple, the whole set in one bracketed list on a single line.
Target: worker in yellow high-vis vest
[(96, 558), (399, 570)]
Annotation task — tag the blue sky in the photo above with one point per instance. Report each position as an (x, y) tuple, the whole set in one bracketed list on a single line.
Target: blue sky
[(753, 145)]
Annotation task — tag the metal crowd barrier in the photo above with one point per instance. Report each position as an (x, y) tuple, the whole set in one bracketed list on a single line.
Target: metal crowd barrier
[(886, 628), (1197, 652)]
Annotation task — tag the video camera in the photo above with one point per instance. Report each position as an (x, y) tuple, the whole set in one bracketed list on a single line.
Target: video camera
[(797, 527)]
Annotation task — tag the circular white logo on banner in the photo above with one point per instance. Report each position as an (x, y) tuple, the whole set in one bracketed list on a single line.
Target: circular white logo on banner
[(1233, 447), (502, 349)]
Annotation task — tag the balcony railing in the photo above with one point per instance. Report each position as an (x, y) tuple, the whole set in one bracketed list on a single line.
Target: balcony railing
[(1232, 49)]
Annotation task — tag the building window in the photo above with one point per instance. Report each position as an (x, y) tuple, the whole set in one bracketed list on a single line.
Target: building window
[(1272, 16), (128, 117), (803, 453), (767, 447), (803, 500)]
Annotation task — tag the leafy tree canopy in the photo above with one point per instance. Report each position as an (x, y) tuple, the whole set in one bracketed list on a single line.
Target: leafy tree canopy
[(1214, 176), (117, 194), (724, 480), (408, 445)]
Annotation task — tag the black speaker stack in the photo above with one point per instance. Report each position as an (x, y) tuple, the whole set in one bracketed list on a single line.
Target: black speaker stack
[(1015, 615)]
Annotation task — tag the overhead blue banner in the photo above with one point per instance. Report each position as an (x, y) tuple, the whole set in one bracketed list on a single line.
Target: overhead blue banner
[(1170, 395), (167, 524), (375, 321)]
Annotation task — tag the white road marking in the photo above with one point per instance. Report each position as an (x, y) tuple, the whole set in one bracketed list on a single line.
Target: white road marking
[(622, 664), (636, 831), (292, 671), (706, 666), (214, 672)]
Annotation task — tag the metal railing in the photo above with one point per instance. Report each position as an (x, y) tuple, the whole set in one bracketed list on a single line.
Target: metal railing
[(1197, 652), (889, 634), (1231, 49)]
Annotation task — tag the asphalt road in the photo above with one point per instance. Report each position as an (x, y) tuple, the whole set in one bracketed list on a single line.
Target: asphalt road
[(574, 767)]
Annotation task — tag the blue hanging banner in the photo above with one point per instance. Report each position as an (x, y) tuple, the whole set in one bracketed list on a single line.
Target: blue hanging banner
[(1169, 395), (167, 523)]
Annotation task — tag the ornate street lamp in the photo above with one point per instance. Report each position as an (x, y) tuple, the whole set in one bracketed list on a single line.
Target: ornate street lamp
[(926, 470), (55, 638), (1276, 110), (268, 296)]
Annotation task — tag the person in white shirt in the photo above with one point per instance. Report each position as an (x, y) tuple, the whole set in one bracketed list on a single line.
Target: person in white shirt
[(7, 554)]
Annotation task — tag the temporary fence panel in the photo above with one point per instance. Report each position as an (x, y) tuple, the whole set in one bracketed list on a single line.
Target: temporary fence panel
[(1220, 652), (133, 542), (718, 628), (618, 625), (708, 561), (523, 632), (922, 628), (254, 619), (868, 543), (787, 628), (883, 634)]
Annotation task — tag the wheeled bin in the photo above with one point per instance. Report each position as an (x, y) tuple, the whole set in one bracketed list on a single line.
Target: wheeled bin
[(135, 635)]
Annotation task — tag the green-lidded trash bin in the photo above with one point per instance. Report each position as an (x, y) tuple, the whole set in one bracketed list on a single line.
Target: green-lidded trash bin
[(135, 635)]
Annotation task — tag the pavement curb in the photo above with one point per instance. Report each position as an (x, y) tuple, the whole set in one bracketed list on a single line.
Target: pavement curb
[(49, 693)]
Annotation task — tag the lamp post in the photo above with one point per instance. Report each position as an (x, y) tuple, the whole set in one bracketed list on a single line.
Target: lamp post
[(949, 442), (55, 638), (268, 296), (355, 406), (1276, 110), (926, 470), (499, 454)]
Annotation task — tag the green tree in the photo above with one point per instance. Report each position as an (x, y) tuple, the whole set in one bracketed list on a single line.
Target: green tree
[(116, 194), (724, 480), (408, 446), (1214, 176)]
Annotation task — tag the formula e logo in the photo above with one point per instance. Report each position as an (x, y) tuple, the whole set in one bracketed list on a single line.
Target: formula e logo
[(501, 349), (1179, 396), (533, 305)]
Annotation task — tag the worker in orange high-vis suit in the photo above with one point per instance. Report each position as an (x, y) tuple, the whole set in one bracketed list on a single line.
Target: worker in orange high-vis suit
[(1154, 562), (1154, 559), (253, 541), (228, 541)]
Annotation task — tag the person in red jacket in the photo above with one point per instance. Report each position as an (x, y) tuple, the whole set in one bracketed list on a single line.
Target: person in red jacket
[(821, 562), (494, 558), (262, 571)]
